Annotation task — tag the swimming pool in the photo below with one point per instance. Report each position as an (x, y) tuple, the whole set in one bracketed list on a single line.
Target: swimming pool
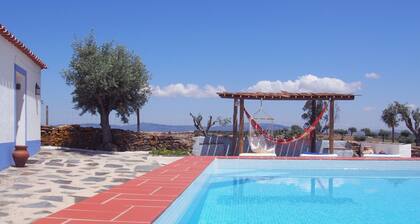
[(300, 191)]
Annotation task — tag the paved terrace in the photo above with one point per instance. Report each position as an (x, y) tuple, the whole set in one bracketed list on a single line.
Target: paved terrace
[(57, 178), (143, 199)]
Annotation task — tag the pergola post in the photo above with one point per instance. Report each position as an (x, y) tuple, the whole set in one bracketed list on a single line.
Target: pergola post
[(235, 126), (313, 133), (331, 127), (241, 126)]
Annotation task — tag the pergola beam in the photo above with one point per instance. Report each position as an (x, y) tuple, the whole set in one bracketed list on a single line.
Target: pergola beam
[(286, 96)]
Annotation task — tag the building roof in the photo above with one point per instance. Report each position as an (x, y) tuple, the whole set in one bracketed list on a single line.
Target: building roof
[(17, 43), (285, 96)]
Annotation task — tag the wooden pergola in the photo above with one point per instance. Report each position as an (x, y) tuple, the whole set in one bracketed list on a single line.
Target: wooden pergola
[(239, 101)]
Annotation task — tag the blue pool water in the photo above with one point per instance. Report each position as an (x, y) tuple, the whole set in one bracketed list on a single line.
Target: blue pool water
[(323, 192)]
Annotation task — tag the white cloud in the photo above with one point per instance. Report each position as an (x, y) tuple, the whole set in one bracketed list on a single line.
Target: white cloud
[(187, 90), (308, 83), (372, 75), (368, 109)]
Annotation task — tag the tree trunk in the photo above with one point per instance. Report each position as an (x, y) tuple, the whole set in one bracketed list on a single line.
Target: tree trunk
[(393, 134), (418, 139), (138, 119), (106, 131)]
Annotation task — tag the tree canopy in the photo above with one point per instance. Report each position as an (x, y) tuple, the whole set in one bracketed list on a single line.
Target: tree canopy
[(106, 78), (341, 132), (352, 130), (390, 118), (411, 118), (384, 134)]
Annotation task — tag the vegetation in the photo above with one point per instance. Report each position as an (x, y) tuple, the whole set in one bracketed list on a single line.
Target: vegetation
[(384, 134), (168, 152), (406, 137), (307, 115), (411, 118), (352, 130), (390, 117), (293, 131), (367, 131), (341, 132), (106, 78), (210, 123), (359, 138)]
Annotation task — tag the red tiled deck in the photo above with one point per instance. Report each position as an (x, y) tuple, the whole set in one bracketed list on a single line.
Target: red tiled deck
[(144, 198), (140, 200)]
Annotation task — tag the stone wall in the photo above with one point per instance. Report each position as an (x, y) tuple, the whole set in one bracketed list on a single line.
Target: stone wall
[(74, 136), (415, 151)]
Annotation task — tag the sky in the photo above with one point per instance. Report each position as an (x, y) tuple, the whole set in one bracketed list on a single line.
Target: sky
[(196, 48)]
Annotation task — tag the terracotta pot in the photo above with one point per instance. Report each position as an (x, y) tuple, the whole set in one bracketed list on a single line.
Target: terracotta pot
[(20, 155)]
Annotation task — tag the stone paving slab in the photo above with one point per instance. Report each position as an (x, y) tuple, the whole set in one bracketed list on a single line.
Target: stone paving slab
[(57, 177)]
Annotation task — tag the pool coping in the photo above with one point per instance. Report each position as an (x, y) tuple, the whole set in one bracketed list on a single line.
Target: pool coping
[(144, 198)]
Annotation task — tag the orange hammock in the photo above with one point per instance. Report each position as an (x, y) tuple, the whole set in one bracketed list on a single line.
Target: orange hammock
[(279, 141)]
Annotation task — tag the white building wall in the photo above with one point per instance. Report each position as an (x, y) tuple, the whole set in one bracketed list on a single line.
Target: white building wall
[(6, 92), (9, 57)]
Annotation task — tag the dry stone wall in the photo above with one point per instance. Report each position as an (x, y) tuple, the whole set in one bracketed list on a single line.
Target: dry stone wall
[(74, 136)]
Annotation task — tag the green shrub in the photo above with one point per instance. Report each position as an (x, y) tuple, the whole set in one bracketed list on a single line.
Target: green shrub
[(360, 138), (406, 137), (169, 152)]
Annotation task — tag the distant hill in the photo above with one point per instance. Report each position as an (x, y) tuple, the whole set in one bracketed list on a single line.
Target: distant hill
[(153, 127)]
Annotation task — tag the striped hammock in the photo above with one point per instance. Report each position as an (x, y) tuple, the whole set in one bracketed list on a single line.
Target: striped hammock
[(279, 141)]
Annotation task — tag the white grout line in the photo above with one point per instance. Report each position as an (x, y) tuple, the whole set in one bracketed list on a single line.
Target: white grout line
[(52, 217), (143, 182), (163, 172), (67, 221), (136, 199), (148, 206), (95, 220), (156, 190), (187, 169), (122, 213), (109, 199), (176, 176)]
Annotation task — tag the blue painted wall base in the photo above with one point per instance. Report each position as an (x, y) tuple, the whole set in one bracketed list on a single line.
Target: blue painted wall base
[(6, 150)]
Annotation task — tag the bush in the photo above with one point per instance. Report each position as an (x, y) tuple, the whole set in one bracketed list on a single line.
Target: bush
[(359, 138), (406, 137), (168, 152), (291, 132)]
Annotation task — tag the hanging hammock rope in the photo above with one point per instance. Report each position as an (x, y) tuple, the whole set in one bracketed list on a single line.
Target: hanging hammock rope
[(280, 141)]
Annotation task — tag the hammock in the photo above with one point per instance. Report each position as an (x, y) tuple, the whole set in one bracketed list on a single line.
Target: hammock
[(264, 135)]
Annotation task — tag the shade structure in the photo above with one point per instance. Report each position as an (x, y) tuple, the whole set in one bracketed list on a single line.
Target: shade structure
[(239, 101), (285, 96)]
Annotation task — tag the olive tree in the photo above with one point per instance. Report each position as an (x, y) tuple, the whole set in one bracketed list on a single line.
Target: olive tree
[(341, 132), (307, 115), (204, 130), (106, 77), (384, 134), (352, 130), (367, 131), (411, 118)]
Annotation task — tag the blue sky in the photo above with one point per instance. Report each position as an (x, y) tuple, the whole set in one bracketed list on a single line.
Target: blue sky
[(234, 45)]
